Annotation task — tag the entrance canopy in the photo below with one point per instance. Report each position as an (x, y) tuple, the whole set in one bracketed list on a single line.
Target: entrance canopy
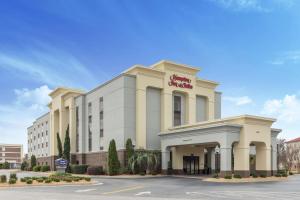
[(233, 134)]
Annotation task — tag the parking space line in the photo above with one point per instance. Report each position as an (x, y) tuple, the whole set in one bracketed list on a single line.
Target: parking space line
[(87, 190), (123, 190)]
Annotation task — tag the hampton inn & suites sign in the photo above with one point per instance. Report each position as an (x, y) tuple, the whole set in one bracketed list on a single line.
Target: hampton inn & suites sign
[(180, 81)]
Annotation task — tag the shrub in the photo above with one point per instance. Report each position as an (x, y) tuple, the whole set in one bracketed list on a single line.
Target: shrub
[(48, 180), (228, 177), (87, 179), (45, 168), (291, 173), (254, 175), (79, 169), (263, 176), (29, 181), (1, 166), (67, 179), (40, 180), (113, 161), (277, 175), (12, 181), (3, 179), (34, 178), (24, 165), (36, 168), (13, 175), (95, 170), (284, 175), (23, 180), (76, 179), (5, 165), (237, 176), (216, 176)]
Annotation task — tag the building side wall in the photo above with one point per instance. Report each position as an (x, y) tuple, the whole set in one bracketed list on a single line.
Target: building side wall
[(153, 118)]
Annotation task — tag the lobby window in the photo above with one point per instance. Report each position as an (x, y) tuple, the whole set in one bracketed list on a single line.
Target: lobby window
[(177, 111), (77, 129)]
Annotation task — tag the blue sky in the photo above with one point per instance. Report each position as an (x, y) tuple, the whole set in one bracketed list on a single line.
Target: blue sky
[(251, 47)]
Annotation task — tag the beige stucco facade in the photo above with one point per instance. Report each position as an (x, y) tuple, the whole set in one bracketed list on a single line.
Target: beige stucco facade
[(189, 128)]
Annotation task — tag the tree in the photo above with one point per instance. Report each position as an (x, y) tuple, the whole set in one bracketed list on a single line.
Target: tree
[(129, 151), (24, 165), (33, 161), (59, 146), (67, 146), (144, 162), (113, 161)]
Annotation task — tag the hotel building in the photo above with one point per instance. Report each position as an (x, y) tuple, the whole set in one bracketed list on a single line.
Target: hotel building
[(163, 107), (11, 153)]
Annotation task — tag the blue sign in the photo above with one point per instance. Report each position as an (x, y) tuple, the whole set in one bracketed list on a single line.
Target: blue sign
[(61, 162)]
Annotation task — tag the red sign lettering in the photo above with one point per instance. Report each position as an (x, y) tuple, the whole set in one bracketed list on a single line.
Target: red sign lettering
[(180, 81)]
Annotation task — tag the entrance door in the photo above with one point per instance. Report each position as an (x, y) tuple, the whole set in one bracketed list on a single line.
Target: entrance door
[(191, 164)]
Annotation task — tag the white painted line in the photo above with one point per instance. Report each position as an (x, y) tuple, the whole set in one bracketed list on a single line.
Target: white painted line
[(87, 190), (98, 184), (143, 193)]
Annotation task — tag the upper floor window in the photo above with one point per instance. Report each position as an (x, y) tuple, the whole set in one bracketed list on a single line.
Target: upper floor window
[(90, 108), (177, 110)]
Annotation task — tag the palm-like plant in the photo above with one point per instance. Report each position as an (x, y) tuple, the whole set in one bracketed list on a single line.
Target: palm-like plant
[(142, 162)]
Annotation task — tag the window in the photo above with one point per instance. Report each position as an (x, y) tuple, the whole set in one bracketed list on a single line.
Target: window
[(38, 135), (46, 133), (101, 147), (77, 129), (42, 134), (90, 140), (42, 145), (90, 108), (177, 111), (101, 117), (46, 144)]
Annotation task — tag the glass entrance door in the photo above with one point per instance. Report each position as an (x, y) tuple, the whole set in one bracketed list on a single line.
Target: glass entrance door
[(191, 164)]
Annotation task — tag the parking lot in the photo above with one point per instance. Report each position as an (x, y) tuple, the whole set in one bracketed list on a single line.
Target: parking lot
[(158, 188)]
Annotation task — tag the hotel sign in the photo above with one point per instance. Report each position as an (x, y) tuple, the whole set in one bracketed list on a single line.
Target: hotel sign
[(180, 81)]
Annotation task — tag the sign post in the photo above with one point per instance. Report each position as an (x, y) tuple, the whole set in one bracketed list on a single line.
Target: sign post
[(61, 165)]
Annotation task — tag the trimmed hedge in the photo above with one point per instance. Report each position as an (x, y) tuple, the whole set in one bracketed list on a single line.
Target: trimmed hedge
[(95, 170), (13, 175), (29, 181), (228, 177), (3, 179), (36, 168), (79, 169), (12, 181), (45, 168), (237, 176)]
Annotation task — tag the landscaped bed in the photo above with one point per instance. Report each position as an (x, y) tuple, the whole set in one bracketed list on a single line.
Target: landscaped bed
[(53, 179), (245, 180)]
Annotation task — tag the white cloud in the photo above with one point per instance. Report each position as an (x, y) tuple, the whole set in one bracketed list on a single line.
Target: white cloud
[(254, 5), (286, 109), (287, 112), (239, 101), (49, 65), (288, 57), (17, 116)]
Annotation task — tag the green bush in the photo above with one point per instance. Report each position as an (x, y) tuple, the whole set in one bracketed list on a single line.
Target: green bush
[(48, 180), (67, 179), (29, 181), (284, 175), (79, 169), (87, 179), (263, 176), (12, 181), (5, 165), (113, 161), (228, 177), (3, 179), (36, 168), (34, 178), (216, 176), (23, 180), (45, 168), (95, 170), (254, 175), (291, 173), (13, 175), (237, 176), (55, 179), (40, 180), (76, 179), (277, 175)]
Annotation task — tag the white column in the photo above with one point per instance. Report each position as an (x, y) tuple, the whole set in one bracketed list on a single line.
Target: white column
[(213, 159), (274, 158), (165, 158), (225, 160)]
